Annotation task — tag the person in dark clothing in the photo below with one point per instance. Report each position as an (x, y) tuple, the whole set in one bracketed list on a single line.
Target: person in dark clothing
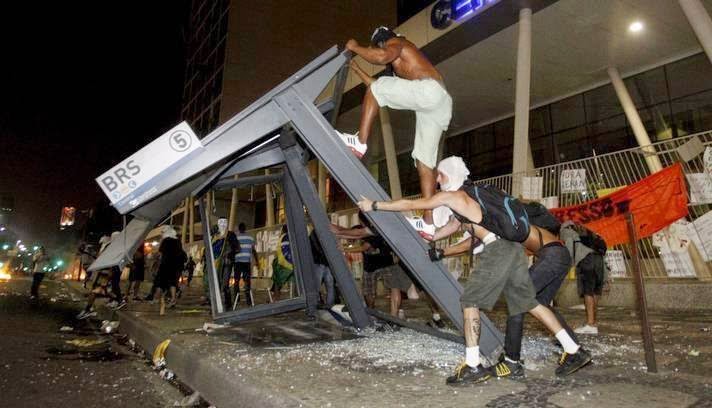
[(136, 274), (172, 260), (228, 265), (40, 264), (321, 270), (190, 269)]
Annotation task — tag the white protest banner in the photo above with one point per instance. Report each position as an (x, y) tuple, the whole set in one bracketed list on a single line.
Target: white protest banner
[(703, 226), (132, 178), (573, 181), (700, 188), (550, 202), (616, 263), (532, 187), (678, 264), (695, 238)]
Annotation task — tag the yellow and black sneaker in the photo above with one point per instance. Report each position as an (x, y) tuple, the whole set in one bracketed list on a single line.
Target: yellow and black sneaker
[(570, 363), (465, 375), (509, 368)]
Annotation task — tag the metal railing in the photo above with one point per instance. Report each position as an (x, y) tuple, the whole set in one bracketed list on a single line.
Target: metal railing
[(619, 169)]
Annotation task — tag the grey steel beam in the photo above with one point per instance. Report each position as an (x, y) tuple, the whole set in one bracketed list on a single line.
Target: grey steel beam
[(323, 141), (247, 181), (216, 304), (321, 222), (301, 249), (267, 158), (246, 129), (258, 311)]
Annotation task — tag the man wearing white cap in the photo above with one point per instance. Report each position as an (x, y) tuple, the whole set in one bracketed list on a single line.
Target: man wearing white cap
[(501, 224), (417, 86)]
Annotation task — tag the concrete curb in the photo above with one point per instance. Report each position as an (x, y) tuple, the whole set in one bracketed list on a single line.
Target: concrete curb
[(194, 369), (220, 388)]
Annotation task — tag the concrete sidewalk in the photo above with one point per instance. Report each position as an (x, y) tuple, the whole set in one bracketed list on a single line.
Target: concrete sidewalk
[(289, 361)]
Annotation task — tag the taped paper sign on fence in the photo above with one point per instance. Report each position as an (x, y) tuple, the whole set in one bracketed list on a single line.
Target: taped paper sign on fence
[(573, 181), (532, 187), (700, 188), (673, 243), (691, 149), (678, 264), (695, 239), (616, 263), (550, 202), (703, 227), (655, 202)]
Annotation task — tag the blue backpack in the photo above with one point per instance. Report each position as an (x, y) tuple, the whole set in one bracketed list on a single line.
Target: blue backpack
[(502, 214)]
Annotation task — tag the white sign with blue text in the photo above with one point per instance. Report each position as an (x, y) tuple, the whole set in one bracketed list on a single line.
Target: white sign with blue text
[(132, 178)]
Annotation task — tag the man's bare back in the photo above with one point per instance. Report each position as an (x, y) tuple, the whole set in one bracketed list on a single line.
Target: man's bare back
[(410, 62)]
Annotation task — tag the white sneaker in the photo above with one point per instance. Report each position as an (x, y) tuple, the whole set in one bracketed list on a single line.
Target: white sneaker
[(424, 229), (112, 304), (586, 330), (352, 142)]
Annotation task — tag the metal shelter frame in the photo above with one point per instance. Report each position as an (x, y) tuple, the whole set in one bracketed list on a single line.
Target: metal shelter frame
[(283, 128)]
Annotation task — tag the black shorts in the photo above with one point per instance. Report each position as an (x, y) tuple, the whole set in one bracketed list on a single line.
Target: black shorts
[(590, 275)]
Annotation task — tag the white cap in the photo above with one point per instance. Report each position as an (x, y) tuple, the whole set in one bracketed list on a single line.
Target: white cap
[(455, 170)]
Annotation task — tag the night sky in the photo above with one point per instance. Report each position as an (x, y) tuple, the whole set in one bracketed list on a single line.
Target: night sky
[(82, 85)]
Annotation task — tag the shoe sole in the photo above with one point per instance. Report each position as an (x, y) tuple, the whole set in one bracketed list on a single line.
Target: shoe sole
[(356, 153), (587, 362), (465, 383)]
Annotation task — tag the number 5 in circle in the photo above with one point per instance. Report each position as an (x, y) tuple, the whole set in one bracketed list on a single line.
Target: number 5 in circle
[(179, 141)]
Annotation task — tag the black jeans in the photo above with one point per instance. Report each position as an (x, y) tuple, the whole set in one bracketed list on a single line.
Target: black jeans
[(547, 273), (36, 281)]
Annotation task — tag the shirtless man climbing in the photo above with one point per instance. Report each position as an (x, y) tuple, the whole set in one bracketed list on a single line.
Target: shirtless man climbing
[(417, 86)]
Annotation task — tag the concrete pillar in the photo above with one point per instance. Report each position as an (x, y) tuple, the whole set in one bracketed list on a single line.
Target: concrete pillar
[(184, 227), (191, 219), (269, 203), (389, 148), (631, 114), (521, 152), (701, 23), (232, 218)]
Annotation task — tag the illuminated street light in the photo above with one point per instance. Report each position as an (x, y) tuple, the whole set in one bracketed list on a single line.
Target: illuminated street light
[(635, 27)]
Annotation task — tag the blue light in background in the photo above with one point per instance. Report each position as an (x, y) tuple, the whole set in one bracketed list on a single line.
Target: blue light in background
[(463, 8)]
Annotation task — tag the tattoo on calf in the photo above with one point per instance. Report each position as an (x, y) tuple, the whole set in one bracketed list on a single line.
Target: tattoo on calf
[(475, 327)]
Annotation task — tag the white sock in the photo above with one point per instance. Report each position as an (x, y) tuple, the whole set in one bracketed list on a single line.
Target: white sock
[(567, 342), (472, 356), (436, 316)]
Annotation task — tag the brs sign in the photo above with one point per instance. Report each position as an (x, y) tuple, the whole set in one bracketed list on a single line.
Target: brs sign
[(134, 176)]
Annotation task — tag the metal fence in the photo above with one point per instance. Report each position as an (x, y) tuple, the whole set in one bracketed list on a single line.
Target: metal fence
[(619, 169)]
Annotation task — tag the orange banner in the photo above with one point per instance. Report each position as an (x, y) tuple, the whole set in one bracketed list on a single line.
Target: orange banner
[(655, 201)]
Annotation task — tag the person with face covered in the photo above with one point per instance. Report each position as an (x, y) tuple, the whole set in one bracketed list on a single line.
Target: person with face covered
[(417, 86), (502, 266)]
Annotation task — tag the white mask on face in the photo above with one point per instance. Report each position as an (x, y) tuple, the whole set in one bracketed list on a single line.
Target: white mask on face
[(455, 170)]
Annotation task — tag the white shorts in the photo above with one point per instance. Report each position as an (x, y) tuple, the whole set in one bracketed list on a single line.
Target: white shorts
[(433, 110)]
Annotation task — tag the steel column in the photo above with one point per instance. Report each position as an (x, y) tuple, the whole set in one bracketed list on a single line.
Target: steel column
[(301, 249), (321, 222), (216, 304)]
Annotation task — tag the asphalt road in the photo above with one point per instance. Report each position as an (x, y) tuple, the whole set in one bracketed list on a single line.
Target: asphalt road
[(41, 366)]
